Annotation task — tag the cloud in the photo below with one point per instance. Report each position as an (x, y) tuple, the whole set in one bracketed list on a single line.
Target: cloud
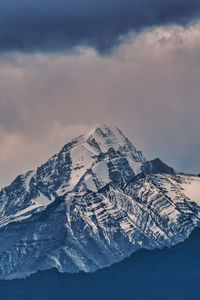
[(149, 88), (61, 25)]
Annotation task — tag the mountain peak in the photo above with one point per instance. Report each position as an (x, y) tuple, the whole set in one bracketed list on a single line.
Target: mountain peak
[(105, 130), (107, 137), (102, 135), (88, 162), (85, 208), (101, 147), (157, 166)]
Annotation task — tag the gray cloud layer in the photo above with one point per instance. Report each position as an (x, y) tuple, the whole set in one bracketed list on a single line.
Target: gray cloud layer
[(149, 88), (60, 25)]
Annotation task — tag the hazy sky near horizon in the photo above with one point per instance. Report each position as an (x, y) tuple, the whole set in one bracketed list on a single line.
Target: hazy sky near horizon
[(135, 67)]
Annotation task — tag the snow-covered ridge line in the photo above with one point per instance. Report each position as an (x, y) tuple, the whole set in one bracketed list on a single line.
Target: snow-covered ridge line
[(77, 165)]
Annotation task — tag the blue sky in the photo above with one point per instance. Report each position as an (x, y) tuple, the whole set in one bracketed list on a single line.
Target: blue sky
[(66, 66)]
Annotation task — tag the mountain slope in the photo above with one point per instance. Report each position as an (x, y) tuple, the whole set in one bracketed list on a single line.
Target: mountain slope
[(93, 204), (170, 273)]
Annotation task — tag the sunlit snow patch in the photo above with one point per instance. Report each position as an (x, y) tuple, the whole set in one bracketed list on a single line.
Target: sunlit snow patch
[(192, 190)]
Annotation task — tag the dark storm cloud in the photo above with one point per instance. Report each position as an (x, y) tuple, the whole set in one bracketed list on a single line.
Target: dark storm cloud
[(60, 25)]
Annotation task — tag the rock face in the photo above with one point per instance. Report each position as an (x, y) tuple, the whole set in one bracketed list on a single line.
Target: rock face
[(91, 205), (156, 166)]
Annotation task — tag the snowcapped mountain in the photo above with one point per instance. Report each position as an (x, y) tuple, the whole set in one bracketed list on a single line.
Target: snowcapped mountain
[(91, 205)]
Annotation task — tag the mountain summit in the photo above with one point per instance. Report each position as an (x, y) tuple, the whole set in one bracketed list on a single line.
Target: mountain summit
[(91, 205)]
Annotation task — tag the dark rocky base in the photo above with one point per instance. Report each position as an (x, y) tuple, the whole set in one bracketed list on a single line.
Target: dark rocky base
[(160, 274)]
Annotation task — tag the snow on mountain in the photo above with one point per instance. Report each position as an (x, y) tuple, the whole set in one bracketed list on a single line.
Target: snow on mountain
[(191, 189), (93, 204)]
